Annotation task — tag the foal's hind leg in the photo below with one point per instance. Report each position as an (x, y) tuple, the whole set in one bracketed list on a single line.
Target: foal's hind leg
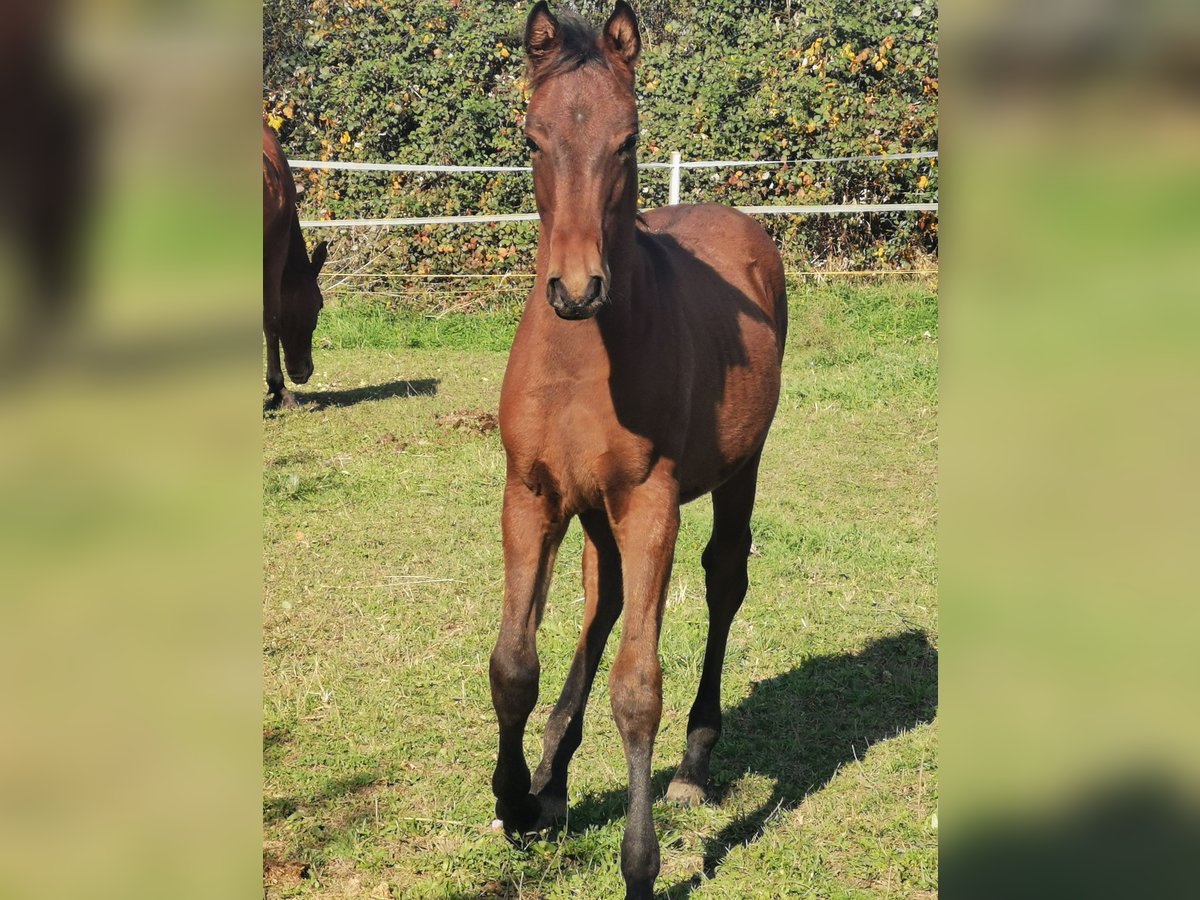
[(725, 583), (602, 606)]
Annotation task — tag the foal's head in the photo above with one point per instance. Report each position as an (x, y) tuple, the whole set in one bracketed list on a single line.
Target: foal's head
[(582, 131)]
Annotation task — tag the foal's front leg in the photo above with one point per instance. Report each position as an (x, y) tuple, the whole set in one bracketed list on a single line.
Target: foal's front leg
[(646, 535), (277, 394), (602, 606), (532, 534)]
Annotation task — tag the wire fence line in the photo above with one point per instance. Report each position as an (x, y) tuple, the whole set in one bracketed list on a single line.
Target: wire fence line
[(676, 167), (493, 285), (811, 209), (794, 273)]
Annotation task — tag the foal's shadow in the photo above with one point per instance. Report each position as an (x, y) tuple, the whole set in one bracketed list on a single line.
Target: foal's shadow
[(797, 729), (423, 387)]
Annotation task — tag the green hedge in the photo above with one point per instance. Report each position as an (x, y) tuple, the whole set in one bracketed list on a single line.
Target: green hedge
[(441, 81)]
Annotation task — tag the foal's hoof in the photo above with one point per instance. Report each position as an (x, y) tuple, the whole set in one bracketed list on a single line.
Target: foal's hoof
[(519, 818), (284, 399), (684, 793), (552, 812), (533, 814)]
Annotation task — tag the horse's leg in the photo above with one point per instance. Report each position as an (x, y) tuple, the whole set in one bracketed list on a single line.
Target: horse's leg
[(602, 606), (531, 539), (277, 394), (725, 583), (646, 525)]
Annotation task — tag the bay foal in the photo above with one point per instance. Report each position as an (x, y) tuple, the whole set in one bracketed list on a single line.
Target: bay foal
[(644, 374)]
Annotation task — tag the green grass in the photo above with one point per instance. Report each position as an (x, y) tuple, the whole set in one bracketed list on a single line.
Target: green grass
[(366, 325), (383, 573)]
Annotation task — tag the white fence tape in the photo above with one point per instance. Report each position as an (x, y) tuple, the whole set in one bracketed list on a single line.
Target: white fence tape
[(676, 165), (749, 163), (429, 220), (845, 209), (397, 167)]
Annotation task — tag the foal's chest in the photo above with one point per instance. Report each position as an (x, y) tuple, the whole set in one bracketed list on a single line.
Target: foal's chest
[(574, 451)]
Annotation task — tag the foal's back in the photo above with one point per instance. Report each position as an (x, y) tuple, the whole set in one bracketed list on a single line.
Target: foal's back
[(704, 240), (722, 277)]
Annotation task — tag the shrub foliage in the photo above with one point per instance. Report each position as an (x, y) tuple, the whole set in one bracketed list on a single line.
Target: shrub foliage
[(441, 81)]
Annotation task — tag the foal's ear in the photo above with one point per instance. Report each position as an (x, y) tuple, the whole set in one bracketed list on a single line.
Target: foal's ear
[(541, 34), (621, 33), (320, 252)]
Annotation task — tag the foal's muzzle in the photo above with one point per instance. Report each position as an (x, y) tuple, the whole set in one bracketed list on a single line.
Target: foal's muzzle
[(585, 306)]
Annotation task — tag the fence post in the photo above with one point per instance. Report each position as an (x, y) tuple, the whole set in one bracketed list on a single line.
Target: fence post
[(673, 197)]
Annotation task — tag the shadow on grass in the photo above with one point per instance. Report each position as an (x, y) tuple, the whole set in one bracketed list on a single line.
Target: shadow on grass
[(423, 387), (276, 809), (797, 729), (299, 831), (316, 827), (1132, 836)]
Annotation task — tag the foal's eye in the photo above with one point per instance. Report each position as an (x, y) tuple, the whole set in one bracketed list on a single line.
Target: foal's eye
[(630, 143), (531, 145)]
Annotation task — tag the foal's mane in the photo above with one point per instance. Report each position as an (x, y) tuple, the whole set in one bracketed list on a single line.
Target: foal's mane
[(578, 46)]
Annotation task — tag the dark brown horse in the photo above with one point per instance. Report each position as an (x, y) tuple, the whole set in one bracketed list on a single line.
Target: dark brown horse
[(47, 179), (291, 298), (644, 374)]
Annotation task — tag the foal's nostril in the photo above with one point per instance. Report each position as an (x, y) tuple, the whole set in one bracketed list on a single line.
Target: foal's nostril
[(594, 289), (554, 292)]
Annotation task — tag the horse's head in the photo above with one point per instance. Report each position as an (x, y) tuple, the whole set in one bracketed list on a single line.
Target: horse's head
[(582, 132), (301, 304)]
